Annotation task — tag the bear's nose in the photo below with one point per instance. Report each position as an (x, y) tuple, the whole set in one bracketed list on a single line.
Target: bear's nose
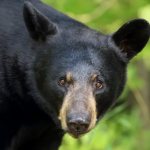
[(78, 125)]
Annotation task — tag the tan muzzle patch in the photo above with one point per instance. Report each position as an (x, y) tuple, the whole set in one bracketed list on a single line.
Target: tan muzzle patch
[(68, 105)]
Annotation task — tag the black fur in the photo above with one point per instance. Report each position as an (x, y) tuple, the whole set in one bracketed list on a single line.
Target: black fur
[(38, 45)]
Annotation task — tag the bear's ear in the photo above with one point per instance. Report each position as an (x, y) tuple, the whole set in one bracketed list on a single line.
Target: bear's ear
[(38, 25), (132, 37)]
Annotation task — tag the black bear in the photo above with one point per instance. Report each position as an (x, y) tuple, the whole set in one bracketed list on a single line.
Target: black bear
[(56, 74)]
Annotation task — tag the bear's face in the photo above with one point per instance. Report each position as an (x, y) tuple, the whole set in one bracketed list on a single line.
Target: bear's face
[(87, 77), (80, 72)]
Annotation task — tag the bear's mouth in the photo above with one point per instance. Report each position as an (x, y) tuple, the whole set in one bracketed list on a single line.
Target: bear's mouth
[(77, 134)]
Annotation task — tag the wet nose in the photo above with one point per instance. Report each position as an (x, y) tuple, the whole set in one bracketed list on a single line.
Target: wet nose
[(78, 125)]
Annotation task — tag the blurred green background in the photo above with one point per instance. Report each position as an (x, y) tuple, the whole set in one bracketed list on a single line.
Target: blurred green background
[(127, 126)]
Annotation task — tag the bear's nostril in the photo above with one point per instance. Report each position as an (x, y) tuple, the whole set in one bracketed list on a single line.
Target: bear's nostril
[(78, 126)]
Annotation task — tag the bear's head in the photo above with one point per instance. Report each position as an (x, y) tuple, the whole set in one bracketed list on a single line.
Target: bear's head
[(80, 72)]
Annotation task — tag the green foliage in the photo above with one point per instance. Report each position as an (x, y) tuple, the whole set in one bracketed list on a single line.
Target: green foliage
[(123, 128), (121, 131)]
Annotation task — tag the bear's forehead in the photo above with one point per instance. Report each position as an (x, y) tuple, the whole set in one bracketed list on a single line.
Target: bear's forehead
[(82, 70), (83, 60)]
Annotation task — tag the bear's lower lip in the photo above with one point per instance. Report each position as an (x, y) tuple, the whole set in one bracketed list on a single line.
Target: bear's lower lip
[(76, 134)]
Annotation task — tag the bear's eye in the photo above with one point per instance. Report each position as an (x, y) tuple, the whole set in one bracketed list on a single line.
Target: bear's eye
[(62, 81), (99, 84)]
